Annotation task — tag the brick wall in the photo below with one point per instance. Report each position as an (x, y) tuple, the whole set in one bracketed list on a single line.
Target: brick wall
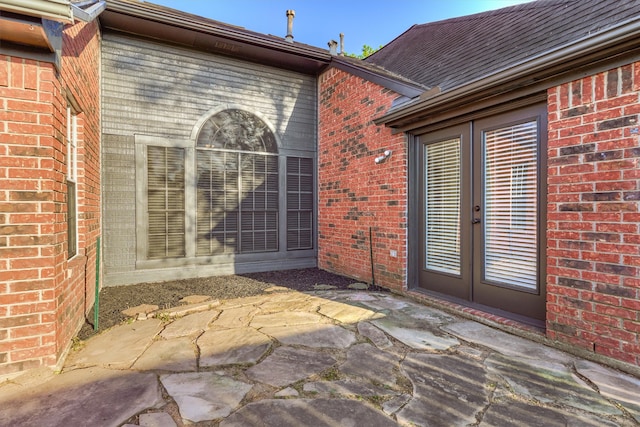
[(593, 234), (42, 295), (355, 194)]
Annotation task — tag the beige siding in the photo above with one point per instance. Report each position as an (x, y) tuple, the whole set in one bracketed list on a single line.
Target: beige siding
[(158, 91)]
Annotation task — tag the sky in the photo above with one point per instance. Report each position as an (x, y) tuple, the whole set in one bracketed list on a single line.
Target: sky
[(370, 22)]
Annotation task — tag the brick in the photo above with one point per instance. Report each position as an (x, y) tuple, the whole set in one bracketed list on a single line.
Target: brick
[(616, 312)]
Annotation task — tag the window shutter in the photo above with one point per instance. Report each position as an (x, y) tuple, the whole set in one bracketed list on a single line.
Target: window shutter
[(166, 202), (300, 197), (442, 210), (510, 219)]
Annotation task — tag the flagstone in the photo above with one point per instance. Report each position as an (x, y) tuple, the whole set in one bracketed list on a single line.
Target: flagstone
[(204, 396)]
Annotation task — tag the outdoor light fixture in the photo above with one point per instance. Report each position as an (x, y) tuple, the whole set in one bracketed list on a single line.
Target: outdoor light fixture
[(383, 157)]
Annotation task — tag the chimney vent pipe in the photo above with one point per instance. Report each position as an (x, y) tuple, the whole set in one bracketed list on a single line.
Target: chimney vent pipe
[(341, 44), (290, 15), (333, 47)]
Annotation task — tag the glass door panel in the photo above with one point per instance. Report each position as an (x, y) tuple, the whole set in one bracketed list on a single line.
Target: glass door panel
[(442, 206), (510, 202)]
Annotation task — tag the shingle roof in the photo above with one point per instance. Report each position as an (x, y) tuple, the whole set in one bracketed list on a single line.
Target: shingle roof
[(457, 51)]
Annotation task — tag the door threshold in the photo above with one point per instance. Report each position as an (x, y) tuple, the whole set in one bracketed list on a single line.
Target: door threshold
[(479, 311)]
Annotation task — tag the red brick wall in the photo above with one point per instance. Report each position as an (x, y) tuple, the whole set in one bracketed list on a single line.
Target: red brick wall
[(81, 78), (42, 295), (355, 193), (593, 234)]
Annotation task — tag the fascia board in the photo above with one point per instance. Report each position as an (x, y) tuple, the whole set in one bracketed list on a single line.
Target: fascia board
[(55, 10)]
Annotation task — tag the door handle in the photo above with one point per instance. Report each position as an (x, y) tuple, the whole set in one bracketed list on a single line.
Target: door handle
[(476, 221)]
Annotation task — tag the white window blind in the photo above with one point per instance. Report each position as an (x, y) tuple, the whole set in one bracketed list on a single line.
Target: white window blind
[(166, 202), (510, 219), (442, 196)]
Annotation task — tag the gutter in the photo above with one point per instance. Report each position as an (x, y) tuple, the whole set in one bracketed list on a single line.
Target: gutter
[(89, 10), (397, 85), (614, 41), (229, 32), (55, 10)]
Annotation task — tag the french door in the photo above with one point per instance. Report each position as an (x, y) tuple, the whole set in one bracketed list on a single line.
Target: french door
[(481, 211)]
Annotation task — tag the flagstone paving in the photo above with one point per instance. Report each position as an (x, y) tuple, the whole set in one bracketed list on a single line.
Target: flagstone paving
[(323, 358)]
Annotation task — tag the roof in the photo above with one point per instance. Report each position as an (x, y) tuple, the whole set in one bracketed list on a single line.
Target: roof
[(177, 27), (454, 52)]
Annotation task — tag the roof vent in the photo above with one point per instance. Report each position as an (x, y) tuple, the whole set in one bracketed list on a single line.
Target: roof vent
[(290, 15), (341, 44), (333, 47)]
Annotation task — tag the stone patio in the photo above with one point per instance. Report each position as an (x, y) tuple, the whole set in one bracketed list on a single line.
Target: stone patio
[(327, 358)]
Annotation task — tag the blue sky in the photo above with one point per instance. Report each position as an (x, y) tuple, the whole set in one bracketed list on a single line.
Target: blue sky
[(371, 22)]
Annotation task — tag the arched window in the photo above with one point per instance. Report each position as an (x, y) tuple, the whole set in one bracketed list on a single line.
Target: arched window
[(230, 189), (237, 185)]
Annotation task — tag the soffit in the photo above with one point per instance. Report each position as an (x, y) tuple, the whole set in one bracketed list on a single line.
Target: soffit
[(176, 27), (55, 10), (23, 30)]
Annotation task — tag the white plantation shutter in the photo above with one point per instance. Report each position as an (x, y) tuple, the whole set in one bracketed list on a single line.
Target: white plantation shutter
[(510, 201), (442, 161), (165, 202)]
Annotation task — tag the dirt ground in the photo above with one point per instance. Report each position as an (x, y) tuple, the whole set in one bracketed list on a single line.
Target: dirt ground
[(114, 299)]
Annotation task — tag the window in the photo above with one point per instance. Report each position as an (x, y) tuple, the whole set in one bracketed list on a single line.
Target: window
[(299, 203), (510, 158), (442, 206), (72, 180), (233, 194), (237, 197), (165, 202)]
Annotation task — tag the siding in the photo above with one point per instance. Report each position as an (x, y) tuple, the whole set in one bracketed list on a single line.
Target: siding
[(159, 90), (162, 91)]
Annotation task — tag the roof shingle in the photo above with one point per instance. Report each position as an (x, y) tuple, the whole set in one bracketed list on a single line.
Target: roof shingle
[(454, 52)]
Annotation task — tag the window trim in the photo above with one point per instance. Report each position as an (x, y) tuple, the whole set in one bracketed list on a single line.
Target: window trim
[(142, 262)]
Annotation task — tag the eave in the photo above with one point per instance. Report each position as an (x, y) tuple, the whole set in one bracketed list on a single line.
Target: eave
[(55, 10), (525, 78), (210, 36), (399, 86)]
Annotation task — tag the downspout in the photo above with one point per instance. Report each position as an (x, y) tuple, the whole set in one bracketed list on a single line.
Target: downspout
[(96, 303)]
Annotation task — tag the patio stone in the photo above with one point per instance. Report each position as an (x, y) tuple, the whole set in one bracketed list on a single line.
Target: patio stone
[(83, 397), (615, 385), (157, 419), (235, 317), (204, 396), (509, 413), (189, 325), (347, 388), (548, 382), (366, 361), (195, 299), (377, 337), (285, 318), (232, 346), (312, 335), (287, 365), (441, 395), (416, 338), (178, 354), (118, 347), (308, 412), (505, 343), (346, 313), (287, 392)]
